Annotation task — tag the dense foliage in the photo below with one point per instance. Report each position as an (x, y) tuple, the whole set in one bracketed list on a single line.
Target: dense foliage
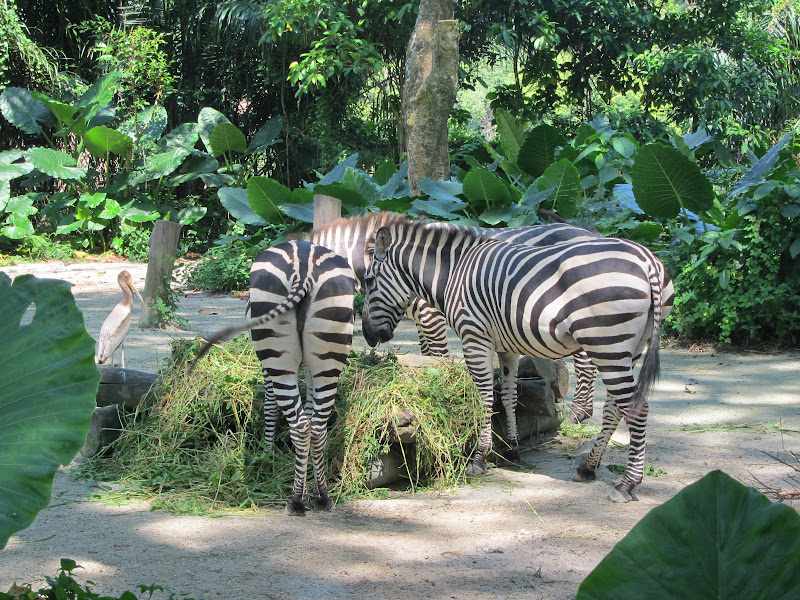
[(229, 116)]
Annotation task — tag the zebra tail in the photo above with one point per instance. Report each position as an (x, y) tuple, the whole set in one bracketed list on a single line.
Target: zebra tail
[(651, 365), (299, 290)]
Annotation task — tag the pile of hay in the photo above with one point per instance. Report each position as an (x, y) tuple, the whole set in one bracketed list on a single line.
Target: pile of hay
[(199, 445)]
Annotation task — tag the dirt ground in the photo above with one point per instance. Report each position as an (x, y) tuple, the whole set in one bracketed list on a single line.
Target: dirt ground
[(530, 532)]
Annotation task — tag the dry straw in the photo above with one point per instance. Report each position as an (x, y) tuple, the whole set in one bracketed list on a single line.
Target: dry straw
[(198, 447)]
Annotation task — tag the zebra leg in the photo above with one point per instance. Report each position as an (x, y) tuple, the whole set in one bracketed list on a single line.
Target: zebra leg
[(582, 405), (321, 405), (271, 412), (479, 363), (634, 471), (319, 437), (508, 394), (611, 418), (431, 327), (287, 395), (619, 381)]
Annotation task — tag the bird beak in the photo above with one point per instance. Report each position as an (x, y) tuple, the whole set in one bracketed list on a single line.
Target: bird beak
[(130, 285)]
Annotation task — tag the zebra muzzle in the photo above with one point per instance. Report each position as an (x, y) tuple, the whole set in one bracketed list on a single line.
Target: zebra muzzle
[(377, 335)]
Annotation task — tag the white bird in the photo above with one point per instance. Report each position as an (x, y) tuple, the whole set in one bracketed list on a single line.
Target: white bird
[(117, 324)]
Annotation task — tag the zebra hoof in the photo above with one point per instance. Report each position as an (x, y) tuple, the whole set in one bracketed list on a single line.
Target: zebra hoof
[(323, 504), (512, 455), (476, 466), (295, 508), (584, 473), (578, 415), (622, 494)]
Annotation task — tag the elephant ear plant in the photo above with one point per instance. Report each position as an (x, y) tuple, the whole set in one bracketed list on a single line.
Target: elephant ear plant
[(715, 539), (48, 385)]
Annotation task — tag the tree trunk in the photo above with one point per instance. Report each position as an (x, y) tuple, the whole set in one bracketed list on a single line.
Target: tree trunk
[(160, 261), (429, 92)]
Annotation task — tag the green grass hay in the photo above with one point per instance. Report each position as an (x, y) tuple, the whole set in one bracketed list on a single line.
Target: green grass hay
[(199, 446)]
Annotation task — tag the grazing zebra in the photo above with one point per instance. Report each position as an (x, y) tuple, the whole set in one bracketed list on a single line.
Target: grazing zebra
[(300, 311), (347, 236), (602, 296)]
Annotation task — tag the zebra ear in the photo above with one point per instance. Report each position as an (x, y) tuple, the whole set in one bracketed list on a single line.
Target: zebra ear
[(382, 240)]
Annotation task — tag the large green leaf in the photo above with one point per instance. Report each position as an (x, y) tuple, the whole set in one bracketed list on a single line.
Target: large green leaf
[(5, 194), (160, 165), (265, 195), (439, 189), (539, 148), (96, 100), (235, 202), (21, 109), (266, 136), (64, 113), (564, 177), (226, 137), (55, 163), (48, 386), (18, 225), (384, 172), (362, 183), (300, 206), (207, 120), (715, 539), (760, 169), (12, 171), (101, 140), (510, 134), (337, 173), (484, 189), (101, 92), (185, 137), (351, 198), (300, 211), (664, 181), (191, 214)]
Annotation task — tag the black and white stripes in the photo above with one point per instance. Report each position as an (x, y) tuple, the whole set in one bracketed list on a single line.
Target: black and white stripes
[(348, 236), (300, 311), (602, 296)]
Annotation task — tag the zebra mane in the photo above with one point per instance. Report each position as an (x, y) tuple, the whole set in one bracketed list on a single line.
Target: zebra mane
[(365, 221), (404, 228)]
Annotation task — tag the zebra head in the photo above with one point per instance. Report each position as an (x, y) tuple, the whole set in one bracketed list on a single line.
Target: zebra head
[(387, 293)]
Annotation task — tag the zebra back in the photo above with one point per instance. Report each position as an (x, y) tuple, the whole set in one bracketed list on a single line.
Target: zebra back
[(297, 258)]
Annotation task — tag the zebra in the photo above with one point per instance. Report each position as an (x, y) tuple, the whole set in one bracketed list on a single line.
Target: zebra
[(300, 311), (602, 296), (348, 237)]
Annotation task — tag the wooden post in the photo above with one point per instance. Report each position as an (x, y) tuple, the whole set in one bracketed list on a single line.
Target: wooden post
[(326, 210), (160, 261)]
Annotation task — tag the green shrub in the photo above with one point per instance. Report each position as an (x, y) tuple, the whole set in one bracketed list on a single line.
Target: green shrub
[(65, 587), (132, 242), (224, 268), (741, 286)]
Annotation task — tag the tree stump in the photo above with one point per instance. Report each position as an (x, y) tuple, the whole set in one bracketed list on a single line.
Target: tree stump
[(124, 387), (104, 428), (160, 261), (119, 394), (326, 210)]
